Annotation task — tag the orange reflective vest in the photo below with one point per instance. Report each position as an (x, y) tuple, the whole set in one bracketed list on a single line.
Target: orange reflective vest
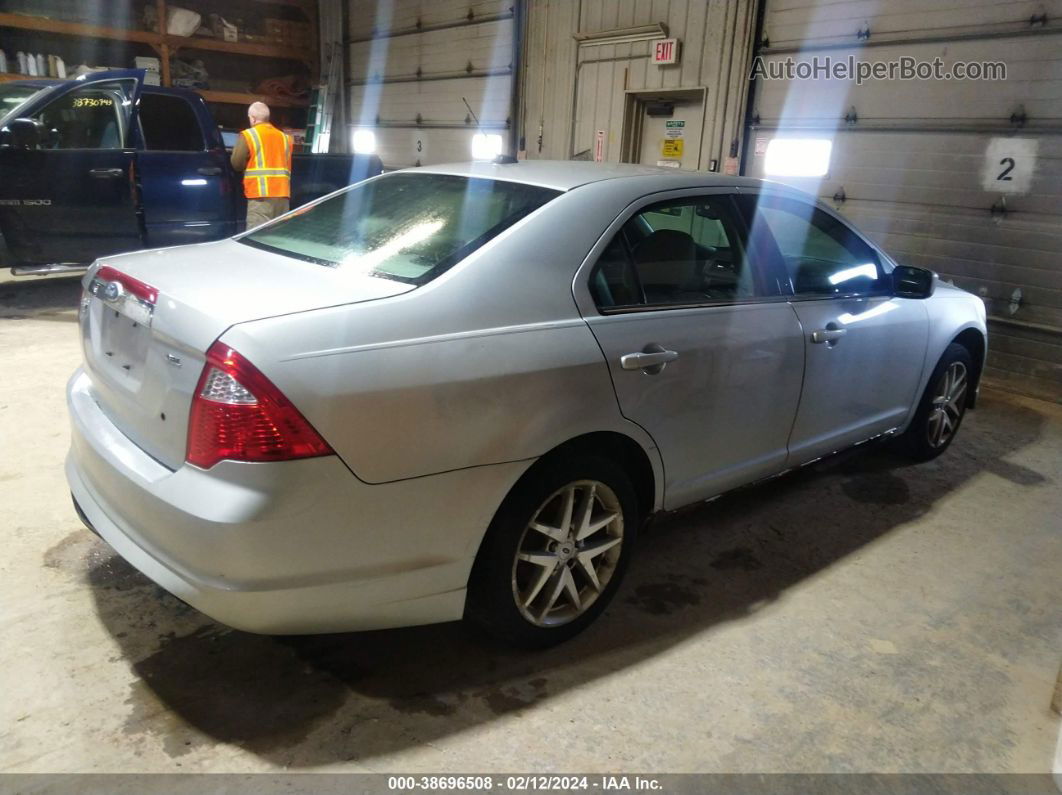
[(268, 173)]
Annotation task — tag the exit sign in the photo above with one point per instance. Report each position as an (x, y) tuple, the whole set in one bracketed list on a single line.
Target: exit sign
[(666, 51)]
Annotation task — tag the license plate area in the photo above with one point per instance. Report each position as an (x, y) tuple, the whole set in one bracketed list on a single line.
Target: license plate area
[(118, 345)]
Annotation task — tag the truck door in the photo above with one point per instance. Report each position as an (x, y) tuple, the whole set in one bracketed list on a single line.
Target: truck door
[(185, 178), (68, 196)]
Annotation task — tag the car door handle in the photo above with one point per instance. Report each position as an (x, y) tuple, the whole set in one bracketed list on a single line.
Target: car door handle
[(107, 173), (827, 335), (652, 359), (209, 171)]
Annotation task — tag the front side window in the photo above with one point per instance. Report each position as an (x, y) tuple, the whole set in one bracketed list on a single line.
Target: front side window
[(680, 252), (93, 117), (408, 227), (822, 256)]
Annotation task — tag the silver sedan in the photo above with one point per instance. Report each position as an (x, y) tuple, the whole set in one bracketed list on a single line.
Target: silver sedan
[(459, 391)]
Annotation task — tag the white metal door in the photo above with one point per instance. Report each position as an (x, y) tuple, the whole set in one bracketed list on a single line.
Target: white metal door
[(958, 176), (413, 66), (671, 141)]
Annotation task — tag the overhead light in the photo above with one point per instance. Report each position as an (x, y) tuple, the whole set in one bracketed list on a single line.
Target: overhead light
[(486, 146), (364, 141), (798, 157)]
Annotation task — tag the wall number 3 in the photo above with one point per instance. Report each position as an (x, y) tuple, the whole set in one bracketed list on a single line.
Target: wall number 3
[(1004, 175)]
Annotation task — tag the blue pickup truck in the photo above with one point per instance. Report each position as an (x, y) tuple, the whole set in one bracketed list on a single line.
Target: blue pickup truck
[(106, 164)]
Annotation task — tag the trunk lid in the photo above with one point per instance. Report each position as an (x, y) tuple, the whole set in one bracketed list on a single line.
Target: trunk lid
[(145, 357)]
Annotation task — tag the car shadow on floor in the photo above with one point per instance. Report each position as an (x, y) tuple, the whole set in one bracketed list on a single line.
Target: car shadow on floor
[(301, 701)]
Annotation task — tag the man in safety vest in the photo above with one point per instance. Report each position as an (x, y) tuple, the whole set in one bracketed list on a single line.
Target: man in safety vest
[(263, 154)]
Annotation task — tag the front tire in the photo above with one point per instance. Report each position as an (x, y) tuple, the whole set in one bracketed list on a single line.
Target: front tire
[(943, 405), (555, 553)]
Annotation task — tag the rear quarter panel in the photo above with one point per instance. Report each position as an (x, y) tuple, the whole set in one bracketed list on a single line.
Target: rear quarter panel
[(490, 362)]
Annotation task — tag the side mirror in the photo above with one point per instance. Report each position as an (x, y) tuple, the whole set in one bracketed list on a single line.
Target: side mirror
[(21, 134), (911, 282)]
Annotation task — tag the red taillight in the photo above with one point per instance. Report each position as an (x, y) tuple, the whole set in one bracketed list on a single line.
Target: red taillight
[(145, 292), (238, 414)]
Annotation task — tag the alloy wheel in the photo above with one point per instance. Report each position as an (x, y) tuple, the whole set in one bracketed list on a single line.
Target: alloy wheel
[(947, 406), (568, 553)]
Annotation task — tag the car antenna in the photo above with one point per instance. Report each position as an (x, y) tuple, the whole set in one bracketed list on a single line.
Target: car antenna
[(500, 159)]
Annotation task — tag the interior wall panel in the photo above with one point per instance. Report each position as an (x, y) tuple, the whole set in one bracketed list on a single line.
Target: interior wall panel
[(573, 90)]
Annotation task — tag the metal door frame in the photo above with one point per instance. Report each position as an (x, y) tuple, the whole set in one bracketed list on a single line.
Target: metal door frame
[(633, 117)]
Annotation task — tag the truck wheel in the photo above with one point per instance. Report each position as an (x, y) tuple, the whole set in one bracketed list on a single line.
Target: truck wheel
[(555, 553)]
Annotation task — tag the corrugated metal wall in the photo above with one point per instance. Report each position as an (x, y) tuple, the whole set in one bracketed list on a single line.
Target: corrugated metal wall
[(919, 163), (413, 62), (572, 90)]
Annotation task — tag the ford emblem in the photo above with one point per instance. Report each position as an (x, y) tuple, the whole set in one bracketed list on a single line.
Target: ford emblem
[(112, 292)]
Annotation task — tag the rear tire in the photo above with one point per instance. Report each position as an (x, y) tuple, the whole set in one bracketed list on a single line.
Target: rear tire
[(555, 553), (943, 406)]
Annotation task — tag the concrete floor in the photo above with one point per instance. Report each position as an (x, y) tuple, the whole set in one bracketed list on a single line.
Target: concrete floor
[(866, 615)]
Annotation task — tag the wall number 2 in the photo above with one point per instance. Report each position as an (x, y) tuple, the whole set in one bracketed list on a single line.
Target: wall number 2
[(1009, 165)]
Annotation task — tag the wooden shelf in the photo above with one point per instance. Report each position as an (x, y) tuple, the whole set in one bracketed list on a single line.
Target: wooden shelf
[(239, 98), (307, 7), (157, 40), (236, 47), (166, 46), (42, 25), (7, 77)]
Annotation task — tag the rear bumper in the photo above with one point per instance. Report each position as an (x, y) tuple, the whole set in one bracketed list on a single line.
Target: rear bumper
[(293, 547)]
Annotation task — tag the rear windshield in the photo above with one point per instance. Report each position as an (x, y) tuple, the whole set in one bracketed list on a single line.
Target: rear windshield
[(407, 227)]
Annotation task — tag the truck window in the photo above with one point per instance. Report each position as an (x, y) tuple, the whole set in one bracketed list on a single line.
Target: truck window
[(169, 124), (12, 96), (93, 117)]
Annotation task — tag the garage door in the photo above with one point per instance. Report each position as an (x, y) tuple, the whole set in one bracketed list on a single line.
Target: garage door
[(413, 65), (960, 176)]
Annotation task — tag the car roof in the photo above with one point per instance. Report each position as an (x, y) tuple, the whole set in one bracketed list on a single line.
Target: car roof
[(567, 174)]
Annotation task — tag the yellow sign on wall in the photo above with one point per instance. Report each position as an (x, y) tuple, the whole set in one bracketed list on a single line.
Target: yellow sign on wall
[(672, 147)]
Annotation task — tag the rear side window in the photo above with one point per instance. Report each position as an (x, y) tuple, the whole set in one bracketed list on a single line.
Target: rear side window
[(822, 256), (169, 124), (678, 253), (407, 227)]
